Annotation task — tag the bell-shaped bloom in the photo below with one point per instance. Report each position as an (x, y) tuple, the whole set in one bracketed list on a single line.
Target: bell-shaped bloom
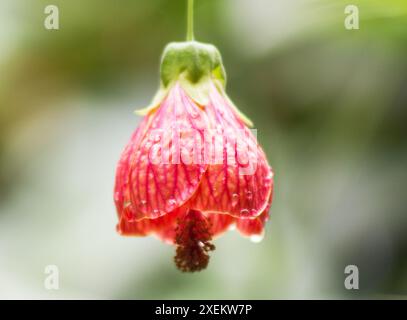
[(192, 169)]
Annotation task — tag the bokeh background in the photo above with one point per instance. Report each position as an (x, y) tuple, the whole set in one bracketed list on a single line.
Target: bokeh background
[(329, 105)]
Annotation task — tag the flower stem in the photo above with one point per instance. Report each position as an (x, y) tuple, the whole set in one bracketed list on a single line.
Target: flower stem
[(190, 21)]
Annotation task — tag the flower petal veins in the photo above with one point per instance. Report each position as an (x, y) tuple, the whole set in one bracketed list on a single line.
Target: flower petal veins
[(237, 187), (154, 177)]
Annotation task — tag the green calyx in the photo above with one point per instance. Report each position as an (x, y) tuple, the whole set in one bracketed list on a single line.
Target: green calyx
[(195, 66), (192, 61)]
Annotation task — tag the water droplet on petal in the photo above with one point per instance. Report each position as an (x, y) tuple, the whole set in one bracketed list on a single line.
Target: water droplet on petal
[(128, 209), (249, 195), (256, 238), (193, 113), (268, 179), (235, 199), (244, 211), (116, 196), (171, 203)]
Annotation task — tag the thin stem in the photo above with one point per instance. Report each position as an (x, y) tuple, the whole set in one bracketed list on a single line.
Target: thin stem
[(190, 21)]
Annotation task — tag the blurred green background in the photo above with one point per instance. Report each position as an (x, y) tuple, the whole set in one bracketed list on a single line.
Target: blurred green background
[(329, 105)]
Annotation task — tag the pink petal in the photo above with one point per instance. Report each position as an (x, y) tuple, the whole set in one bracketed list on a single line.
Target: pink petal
[(220, 223), (241, 183), (254, 226), (157, 174), (121, 189), (163, 227)]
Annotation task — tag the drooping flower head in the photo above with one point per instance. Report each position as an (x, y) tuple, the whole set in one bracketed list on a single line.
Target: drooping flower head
[(192, 169)]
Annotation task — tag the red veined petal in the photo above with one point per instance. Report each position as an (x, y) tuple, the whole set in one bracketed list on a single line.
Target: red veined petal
[(122, 184), (255, 226), (163, 227), (162, 170), (134, 228), (252, 226), (240, 183), (219, 223)]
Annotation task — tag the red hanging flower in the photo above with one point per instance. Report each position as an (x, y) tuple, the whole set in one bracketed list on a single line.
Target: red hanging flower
[(193, 168)]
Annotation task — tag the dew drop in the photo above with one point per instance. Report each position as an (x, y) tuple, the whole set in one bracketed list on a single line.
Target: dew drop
[(249, 195), (143, 202), (194, 114), (116, 196), (235, 199), (244, 211), (268, 179), (256, 238)]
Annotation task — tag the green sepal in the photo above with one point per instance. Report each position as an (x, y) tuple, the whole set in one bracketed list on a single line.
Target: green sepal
[(195, 66), (199, 91), (194, 60)]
